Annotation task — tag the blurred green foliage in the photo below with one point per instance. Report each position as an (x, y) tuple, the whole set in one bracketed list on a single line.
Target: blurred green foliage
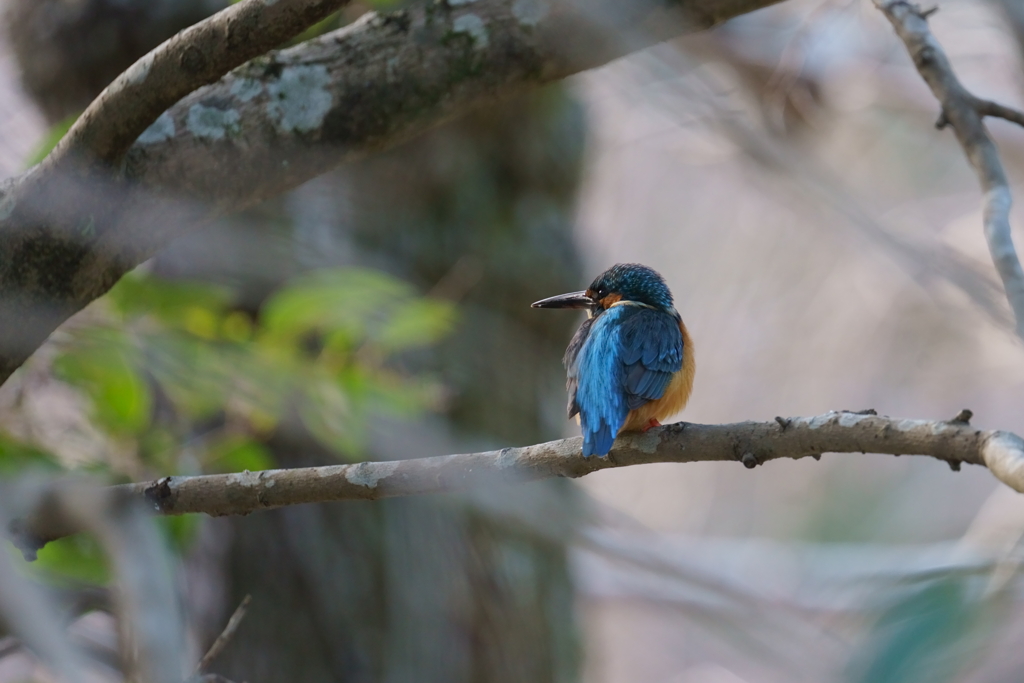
[(77, 558), (17, 457), (925, 634), (53, 136), (180, 382), (321, 349)]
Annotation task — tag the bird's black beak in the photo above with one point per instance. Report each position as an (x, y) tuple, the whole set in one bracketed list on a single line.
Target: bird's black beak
[(571, 300)]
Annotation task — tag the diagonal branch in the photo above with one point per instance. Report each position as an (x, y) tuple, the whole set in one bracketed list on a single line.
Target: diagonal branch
[(749, 443), (195, 57), (965, 113)]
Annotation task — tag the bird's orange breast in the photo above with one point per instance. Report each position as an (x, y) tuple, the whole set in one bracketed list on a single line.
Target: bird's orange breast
[(676, 394)]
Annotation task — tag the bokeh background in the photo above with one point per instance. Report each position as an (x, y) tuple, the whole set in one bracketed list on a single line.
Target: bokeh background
[(823, 241)]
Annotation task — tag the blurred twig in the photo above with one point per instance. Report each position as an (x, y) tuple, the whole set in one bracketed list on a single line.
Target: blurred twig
[(225, 637), (750, 443), (965, 113)]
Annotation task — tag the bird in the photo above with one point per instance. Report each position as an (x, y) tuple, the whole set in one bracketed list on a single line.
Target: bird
[(631, 363)]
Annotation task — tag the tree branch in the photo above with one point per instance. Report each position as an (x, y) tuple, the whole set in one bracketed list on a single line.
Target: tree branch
[(965, 112), (191, 59), (750, 443), (287, 117)]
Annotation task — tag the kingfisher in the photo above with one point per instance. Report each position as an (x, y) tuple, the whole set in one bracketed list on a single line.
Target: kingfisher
[(631, 363)]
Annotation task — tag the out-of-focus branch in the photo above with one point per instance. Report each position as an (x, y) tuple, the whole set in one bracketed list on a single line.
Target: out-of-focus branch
[(151, 642), (225, 636), (189, 60), (28, 613), (144, 600), (750, 443), (965, 113)]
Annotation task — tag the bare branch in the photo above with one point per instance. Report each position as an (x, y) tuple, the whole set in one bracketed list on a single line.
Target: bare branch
[(989, 108), (750, 443), (964, 113), (191, 59)]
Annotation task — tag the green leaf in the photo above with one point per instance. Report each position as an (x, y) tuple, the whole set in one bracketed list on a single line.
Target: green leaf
[(195, 307), (417, 323), (195, 374), (105, 368), (16, 457), (349, 301), (77, 557), (327, 412)]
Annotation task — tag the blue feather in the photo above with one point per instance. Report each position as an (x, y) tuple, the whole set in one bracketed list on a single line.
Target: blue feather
[(599, 394), (622, 359)]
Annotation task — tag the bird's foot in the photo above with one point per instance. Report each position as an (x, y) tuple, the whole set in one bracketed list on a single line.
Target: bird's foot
[(651, 424)]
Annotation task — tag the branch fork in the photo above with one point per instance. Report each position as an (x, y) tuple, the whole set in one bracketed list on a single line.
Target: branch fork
[(965, 114)]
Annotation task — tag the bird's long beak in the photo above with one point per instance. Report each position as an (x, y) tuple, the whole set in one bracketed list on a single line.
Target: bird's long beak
[(571, 300)]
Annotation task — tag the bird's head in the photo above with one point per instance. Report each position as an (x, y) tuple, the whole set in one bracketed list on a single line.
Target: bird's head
[(623, 283)]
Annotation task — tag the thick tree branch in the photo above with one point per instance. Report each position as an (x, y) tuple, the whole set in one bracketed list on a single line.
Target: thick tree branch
[(289, 116), (965, 112), (749, 443), (388, 77), (193, 58)]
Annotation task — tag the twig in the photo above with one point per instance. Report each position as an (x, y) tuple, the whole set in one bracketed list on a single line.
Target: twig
[(750, 443), (225, 637), (965, 113)]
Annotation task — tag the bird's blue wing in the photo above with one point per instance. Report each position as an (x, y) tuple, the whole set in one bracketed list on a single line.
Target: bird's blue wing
[(651, 348), (598, 374), (627, 358)]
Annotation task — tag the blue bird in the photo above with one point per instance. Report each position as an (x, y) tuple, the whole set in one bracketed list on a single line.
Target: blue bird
[(631, 362)]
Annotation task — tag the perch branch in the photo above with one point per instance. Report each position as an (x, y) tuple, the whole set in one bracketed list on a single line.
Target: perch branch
[(750, 443), (965, 114)]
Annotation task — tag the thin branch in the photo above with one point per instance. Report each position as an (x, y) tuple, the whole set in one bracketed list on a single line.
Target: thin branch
[(965, 113), (225, 637), (195, 57), (989, 108), (749, 443)]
